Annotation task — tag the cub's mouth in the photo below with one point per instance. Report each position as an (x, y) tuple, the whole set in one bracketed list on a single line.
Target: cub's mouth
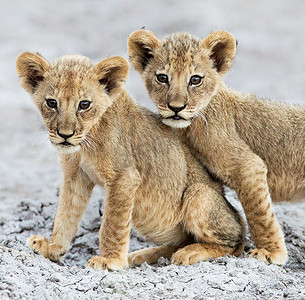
[(176, 117), (66, 147), (176, 121), (66, 144)]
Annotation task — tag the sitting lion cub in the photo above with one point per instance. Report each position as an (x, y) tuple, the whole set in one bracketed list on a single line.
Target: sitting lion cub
[(151, 179), (256, 147)]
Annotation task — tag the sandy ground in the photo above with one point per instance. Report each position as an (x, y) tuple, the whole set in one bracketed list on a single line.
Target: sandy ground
[(270, 62)]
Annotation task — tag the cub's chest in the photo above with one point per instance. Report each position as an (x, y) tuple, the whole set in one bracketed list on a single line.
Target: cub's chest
[(94, 170)]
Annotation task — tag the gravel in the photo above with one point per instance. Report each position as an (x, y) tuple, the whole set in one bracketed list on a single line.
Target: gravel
[(270, 62)]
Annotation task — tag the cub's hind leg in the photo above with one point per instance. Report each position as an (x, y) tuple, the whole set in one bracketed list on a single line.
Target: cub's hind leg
[(151, 255), (214, 223), (191, 254)]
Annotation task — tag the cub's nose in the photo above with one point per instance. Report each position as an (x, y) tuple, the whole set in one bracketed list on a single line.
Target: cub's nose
[(65, 135), (176, 109)]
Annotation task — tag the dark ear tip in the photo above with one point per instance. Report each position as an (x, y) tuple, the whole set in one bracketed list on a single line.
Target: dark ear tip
[(236, 43)]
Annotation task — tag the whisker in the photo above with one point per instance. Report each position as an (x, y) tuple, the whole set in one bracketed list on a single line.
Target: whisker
[(90, 142), (90, 146), (202, 116), (93, 138), (213, 108), (86, 146)]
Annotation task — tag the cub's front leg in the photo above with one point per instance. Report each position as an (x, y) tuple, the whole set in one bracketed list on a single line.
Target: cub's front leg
[(115, 228), (246, 172), (75, 193)]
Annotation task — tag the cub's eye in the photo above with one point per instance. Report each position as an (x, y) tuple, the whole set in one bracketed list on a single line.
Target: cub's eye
[(84, 104), (162, 78), (52, 103), (195, 80)]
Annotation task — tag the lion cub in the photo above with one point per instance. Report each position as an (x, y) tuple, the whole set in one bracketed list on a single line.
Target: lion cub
[(256, 147), (151, 179)]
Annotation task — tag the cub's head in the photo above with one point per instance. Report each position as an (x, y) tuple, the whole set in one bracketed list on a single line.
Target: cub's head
[(71, 93), (181, 73)]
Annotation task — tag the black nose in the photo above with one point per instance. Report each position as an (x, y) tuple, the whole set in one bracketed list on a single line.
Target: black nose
[(176, 109), (65, 136)]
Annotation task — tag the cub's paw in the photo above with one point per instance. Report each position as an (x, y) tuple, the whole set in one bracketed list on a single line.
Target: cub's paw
[(150, 255), (139, 257), (185, 257), (39, 244), (102, 263), (277, 258), (42, 246)]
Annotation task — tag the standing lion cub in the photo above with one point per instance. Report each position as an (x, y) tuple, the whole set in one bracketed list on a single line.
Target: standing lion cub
[(256, 147), (151, 179)]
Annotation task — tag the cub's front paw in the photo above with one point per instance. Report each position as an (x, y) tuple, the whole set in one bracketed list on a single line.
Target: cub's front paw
[(42, 246), (277, 258), (102, 263), (39, 244)]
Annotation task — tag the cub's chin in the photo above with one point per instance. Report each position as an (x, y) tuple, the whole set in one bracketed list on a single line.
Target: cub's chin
[(176, 123), (63, 149)]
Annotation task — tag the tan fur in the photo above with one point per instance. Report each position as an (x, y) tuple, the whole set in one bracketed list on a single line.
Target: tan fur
[(254, 146), (150, 177)]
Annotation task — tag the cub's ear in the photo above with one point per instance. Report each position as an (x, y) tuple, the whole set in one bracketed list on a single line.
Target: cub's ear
[(112, 72), (31, 68), (222, 48), (141, 45)]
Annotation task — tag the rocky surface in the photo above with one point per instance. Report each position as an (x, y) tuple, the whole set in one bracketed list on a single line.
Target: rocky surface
[(270, 62)]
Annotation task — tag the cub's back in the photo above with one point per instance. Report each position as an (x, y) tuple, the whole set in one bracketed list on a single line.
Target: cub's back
[(272, 128), (276, 133)]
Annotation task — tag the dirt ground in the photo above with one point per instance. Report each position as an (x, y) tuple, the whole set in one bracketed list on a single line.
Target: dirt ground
[(270, 62)]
